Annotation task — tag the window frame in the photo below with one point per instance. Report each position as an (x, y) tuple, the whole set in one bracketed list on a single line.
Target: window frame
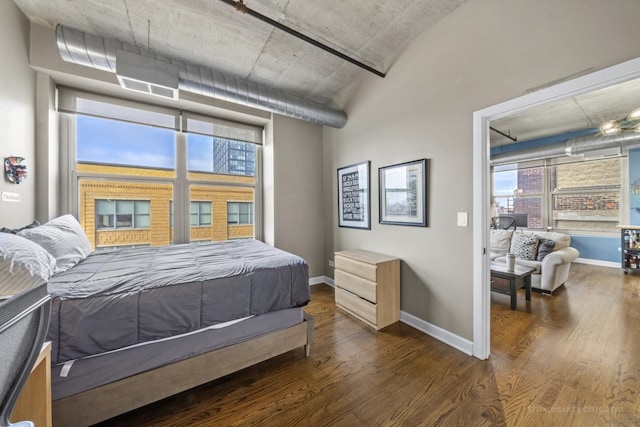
[(70, 176), (199, 214), (549, 193), (134, 215), (251, 213)]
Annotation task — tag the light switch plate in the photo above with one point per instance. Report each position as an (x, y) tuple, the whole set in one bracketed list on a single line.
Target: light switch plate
[(463, 219)]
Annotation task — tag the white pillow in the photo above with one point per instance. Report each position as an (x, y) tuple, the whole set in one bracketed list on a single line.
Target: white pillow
[(22, 264), (500, 241), (63, 238)]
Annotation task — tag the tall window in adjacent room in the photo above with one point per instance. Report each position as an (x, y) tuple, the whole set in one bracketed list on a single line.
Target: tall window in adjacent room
[(564, 194), (147, 175), (585, 196), (520, 191)]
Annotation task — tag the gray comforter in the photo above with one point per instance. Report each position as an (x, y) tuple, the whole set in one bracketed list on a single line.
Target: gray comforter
[(129, 296)]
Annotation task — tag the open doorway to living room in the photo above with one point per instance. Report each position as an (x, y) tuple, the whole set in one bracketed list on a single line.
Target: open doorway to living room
[(550, 209)]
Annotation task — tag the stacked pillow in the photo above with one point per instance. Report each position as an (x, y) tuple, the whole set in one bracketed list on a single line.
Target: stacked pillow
[(545, 247), (23, 264), (36, 252), (524, 246), (531, 247)]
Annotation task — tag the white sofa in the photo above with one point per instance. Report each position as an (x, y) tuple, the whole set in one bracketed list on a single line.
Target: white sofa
[(552, 271)]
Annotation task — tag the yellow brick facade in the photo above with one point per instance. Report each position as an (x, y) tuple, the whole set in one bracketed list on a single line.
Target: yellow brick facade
[(160, 195), (219, 196)]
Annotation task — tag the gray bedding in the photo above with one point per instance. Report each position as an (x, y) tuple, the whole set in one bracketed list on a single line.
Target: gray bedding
[(129, 296)]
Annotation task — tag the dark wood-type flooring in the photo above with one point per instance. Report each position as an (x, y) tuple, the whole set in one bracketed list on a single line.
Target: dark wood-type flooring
[(572, 359)]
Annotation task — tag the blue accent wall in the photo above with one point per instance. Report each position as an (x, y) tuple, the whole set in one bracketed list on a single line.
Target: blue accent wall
[(633, 157), (596, 247)]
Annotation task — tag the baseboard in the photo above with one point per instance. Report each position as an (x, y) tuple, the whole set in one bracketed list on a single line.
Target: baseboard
[(598, 262), (434, 331), (459, 343), (320, 280)]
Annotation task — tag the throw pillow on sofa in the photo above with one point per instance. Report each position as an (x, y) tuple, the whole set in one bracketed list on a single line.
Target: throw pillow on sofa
[(500, 241), (524, 246), (545, 247)]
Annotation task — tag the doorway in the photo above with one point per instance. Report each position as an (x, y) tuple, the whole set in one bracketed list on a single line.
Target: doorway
[(481, 181)]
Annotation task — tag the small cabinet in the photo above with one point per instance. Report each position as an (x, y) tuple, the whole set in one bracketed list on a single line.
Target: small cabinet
[(630, 247), (368, 286)]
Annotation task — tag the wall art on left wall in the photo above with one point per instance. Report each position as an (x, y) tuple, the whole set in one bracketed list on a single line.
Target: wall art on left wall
[(14, 170)]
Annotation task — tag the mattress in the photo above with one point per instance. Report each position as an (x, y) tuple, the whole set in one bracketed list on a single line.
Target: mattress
[(83, 374), (129, 296)]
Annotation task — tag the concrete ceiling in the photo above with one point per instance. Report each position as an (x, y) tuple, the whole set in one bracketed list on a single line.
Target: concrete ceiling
[(585, 111), (213, 34)]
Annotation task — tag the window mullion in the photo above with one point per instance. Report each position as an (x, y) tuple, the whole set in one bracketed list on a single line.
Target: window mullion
[(182, 211)]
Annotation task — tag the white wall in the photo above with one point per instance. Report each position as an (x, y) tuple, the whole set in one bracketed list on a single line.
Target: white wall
[(486, 52), (17, 113)]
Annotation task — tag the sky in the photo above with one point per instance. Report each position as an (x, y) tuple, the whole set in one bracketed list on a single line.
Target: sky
[(115, 142), (505, 182)]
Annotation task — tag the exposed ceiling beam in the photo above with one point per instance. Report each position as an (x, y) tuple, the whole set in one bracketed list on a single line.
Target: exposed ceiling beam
[(241, 7)]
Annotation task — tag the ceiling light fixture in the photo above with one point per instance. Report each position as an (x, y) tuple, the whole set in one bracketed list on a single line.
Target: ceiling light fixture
[(630, 122), (610, 128), (634, 115)]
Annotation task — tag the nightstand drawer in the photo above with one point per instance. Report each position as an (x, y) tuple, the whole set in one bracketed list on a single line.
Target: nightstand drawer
[(358, 268), (359, 286), (356, 305)]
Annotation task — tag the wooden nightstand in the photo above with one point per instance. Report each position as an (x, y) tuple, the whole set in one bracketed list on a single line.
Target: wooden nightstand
[(368, 286), (34, 402)]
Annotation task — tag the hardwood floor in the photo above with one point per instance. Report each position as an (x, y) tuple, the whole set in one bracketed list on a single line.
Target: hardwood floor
[(572, 359)]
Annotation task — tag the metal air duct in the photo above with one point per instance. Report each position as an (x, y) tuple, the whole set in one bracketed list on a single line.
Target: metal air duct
[(92, 51), (571, 147)]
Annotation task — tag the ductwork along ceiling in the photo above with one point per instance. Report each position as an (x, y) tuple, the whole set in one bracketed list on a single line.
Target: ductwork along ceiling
[(104, 54), (571, 147), (224, 53)]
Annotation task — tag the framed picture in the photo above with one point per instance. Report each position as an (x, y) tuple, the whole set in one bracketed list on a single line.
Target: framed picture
[(403, 194), (354, 209)]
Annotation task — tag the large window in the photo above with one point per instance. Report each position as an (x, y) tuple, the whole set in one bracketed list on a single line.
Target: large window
[(572, 196), (586, 196), (520, 191), (148, 175), (104, 141), (222, 156)]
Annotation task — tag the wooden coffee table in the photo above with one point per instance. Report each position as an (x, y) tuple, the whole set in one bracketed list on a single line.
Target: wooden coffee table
[(508, 282)]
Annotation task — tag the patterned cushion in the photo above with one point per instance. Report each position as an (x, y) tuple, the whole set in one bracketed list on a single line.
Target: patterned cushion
[(545, 247), (524, 246)]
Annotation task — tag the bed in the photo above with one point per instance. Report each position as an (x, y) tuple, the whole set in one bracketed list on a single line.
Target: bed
[(132, 326)]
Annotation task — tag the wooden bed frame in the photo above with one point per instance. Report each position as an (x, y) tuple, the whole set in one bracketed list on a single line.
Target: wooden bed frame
[(109, 400)]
